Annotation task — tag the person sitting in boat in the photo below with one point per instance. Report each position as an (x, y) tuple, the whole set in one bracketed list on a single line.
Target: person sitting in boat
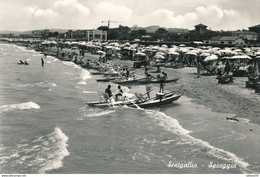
[(120, 92), (21, 62), (123, 72), (108, 93)]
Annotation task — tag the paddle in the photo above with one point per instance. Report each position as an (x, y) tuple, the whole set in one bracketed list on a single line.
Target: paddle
[(134, 103), (147, 92)]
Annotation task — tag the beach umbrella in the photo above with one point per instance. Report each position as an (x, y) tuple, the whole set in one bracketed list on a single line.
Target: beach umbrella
[(257, 53), (165, 46), (244, 57), (126, 48), (109, 47), (117, 48), (100, 52), (173, 53), (238, 50), (159, 57), (205, 54), (160, 53), (140, 54), (191, 53), (211, 58), (225, 58)]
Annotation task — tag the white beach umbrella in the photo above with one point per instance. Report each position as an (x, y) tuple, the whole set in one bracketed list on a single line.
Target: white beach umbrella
[(257, 53), (205, 54), (159, 57), (244, 57), (191, 53), (160, 53), (109, 47), (173, 53), (211, 58), (101, 52), (140, 54)]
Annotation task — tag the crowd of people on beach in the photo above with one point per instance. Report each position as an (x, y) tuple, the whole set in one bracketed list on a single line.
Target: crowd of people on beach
[(223, 62)]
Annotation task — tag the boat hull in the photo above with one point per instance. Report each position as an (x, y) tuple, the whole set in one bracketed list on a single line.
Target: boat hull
[(157, 102), (145, 81)]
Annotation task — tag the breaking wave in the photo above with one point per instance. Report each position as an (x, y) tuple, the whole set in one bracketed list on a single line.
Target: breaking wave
[(172, 125), (100, 113), (39, 84), (40, 155), (20, 106)]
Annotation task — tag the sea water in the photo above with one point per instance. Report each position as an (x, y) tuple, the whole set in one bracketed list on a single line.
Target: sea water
[(46, 127)]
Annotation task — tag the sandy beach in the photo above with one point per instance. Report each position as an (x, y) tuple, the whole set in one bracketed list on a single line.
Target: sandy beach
[(227, 98)]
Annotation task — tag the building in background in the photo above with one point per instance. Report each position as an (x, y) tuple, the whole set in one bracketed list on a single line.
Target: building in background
[(86, 35), (43, 34), (226, 40), (200, 29), (248, 35), (255, 28)]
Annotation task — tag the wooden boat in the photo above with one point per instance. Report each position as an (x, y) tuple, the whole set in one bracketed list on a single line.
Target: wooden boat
[(225, 79), (156, 101), (147, 81), (160, 99), (96, 73), (106, 79), (110, 74), (92, 66), (125, 81)]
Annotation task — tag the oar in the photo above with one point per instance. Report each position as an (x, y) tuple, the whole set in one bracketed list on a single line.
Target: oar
[(147, 92), (134, 103)]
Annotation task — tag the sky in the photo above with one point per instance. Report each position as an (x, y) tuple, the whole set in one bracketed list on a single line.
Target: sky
[(22, 15)]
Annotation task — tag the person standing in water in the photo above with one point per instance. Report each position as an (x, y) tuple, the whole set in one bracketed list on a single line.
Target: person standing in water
[(42, 61)]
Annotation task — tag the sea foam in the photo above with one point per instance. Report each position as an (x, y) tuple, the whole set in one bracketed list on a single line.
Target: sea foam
[(172, 125), (100, 113), (20, 106), (58, 142), (38, 84), (84, 75), (42, 154)]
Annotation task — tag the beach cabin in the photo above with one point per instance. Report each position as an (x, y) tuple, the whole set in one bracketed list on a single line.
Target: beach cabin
[(226, 40)]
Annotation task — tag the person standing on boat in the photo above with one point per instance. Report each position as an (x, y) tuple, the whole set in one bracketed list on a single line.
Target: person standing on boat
[(120, 92), (162, 79), (148, 90)]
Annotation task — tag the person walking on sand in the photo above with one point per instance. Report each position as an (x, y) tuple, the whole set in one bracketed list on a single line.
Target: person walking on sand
[(42, 61), (198, 69)]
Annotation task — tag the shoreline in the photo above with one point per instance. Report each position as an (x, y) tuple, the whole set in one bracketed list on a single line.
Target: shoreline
[(228, 98)]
